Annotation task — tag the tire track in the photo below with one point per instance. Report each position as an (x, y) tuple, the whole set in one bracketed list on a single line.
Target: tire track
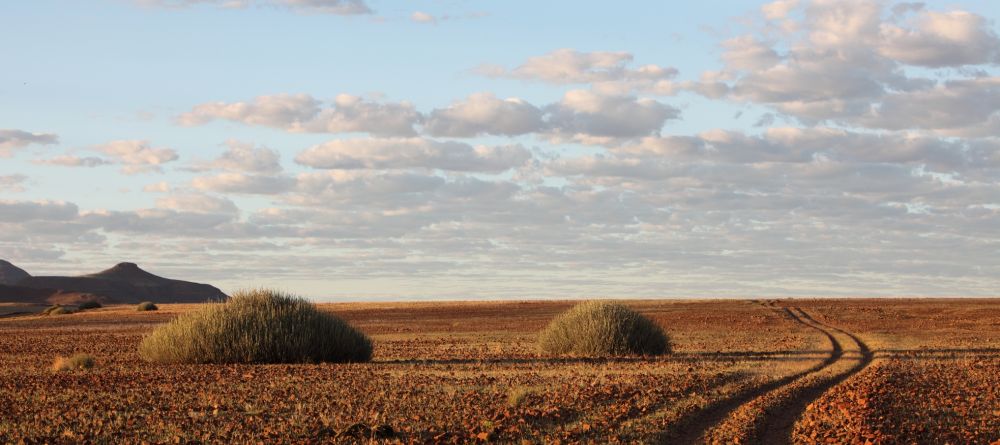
[(778, 423)]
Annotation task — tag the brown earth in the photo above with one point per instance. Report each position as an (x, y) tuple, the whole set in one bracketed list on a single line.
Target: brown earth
[(790, 371)]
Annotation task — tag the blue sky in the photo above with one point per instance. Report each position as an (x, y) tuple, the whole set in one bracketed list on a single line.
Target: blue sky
[(785, 148)]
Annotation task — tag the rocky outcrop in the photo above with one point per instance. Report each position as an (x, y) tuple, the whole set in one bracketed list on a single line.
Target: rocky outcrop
[(127, 283)]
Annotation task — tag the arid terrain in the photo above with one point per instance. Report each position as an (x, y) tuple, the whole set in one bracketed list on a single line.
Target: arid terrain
[(741, 371)]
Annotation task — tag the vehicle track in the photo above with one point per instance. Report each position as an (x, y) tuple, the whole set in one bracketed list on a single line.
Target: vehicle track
[(778, 423)]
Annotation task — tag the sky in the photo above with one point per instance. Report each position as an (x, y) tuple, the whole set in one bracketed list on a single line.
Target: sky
[(370, 150)]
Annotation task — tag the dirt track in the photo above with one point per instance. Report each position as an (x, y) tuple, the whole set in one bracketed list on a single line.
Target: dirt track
[(778, 419)]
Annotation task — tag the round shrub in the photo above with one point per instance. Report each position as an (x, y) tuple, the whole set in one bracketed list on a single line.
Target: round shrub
[(146, 306), (88, 305), (600, 328), (257, 326)]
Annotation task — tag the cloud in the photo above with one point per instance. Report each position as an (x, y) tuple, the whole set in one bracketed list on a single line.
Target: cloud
[(606, 71), (941, 39), (846, 62), (778, 9), (12, 183), (197, 203), (965, 106), (137, 156), (403, 153), (24, 211), (14, 139), (159, 187), (805, 145), (337, 7), (569, 66), (302, 113), (589, 114), (73, 161), (484, 113), (282, 110), (245, 183), (422, 17), (243, 157)]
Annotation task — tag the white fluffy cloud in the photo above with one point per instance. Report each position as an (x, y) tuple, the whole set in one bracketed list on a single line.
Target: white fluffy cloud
[(939, 39), (243, 183), (845, 61), (303, 113), (569, 66), (243, 157), (966, 106), (137, 156), (337, 7), (484, 113), (605, 70), (589, 114), (14, 139), (804, 145), (197, 203), (402, 153)]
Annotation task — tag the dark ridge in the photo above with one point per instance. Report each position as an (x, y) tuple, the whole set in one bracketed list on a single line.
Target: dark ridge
[(128, 283), (10, 274)]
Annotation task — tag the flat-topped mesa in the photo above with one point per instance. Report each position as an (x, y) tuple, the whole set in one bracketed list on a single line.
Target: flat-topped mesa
[(130, 272)]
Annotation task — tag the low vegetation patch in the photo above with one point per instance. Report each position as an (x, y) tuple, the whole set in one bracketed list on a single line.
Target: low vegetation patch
[(257, 326), (600, 328), (89, 305), (58, 310), (146, 306), (77, 361), (518, 395)]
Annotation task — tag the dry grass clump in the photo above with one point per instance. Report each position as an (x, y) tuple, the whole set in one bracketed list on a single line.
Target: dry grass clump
[(146, 306), (57, 310), (77, 361), (257, 326), (518, 395), (89, 305), (600, 328)]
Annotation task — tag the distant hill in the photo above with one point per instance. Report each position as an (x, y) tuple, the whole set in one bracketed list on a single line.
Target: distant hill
[(126, 283), (11, 274), (18, 294)]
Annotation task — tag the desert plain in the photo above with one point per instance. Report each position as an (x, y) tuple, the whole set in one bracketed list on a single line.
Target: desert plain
[(861, 371)]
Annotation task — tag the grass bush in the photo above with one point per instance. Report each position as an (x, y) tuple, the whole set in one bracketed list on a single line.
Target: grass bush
[(600, 328), (57, 310), (77, 361), (89, 305), (257, 326), (146, 306)]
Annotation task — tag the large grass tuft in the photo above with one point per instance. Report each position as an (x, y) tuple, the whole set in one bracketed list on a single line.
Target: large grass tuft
[(257, 326), (600, 328)]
